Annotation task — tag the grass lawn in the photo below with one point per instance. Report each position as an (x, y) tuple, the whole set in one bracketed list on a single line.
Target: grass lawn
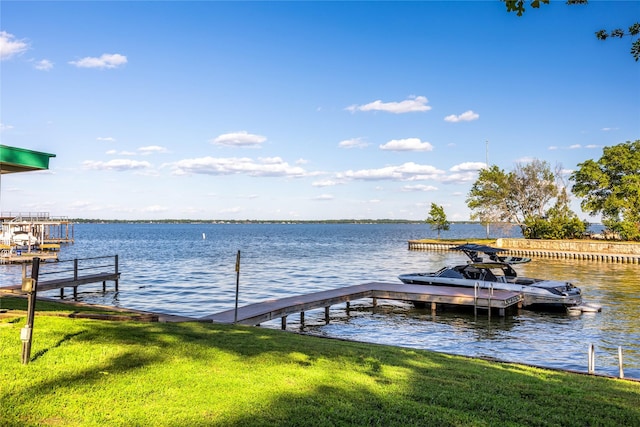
[(101, 373)]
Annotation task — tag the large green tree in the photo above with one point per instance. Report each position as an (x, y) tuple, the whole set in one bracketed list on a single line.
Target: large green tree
[(437, 219), (610, 186), (530, 196)]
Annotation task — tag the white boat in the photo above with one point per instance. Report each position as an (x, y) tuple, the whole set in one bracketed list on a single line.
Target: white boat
[(19, 238), (537, 293)]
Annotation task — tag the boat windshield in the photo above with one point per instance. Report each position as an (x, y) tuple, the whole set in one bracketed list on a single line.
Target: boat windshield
[(489, 272)]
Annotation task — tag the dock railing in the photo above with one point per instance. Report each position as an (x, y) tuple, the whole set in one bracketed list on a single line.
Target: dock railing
[(76, 272)]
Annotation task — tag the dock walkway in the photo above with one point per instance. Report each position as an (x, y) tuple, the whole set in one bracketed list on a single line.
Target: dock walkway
[(254, 314)]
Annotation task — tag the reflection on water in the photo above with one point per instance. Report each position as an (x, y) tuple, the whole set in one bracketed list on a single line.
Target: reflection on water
[(169, 268)]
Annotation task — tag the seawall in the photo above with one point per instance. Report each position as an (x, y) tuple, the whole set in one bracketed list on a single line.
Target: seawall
[(589, 250)]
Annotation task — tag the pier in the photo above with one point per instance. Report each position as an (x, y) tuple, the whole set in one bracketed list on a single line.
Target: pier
[(254, 314)]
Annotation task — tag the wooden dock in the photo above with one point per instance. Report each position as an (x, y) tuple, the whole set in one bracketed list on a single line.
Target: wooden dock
[(73, 273), (254, 314)]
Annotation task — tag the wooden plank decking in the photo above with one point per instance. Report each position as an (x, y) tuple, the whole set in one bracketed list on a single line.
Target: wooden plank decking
[(257, 313)]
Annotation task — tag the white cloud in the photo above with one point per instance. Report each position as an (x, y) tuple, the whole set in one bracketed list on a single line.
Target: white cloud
[(353, 143), (116, 165), (411, 105), (152, 149), (107, 60), (239, 139), (467, 116), (408, 144), (575, 146), (552, 148), (468, 167), (4, 127), (405, 172), (460, 177), (326, 183), (592, 146), (272, 166), (43, 65), (106, 139), (609, 129), (419, 187), (324, 197), (10, 46)]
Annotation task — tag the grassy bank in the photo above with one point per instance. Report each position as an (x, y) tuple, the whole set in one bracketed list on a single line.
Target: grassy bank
[(90, 372)]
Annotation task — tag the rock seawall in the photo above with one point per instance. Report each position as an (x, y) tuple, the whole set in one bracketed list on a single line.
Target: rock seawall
[(566, 249)]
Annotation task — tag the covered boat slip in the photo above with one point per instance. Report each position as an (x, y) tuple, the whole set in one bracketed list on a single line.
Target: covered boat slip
[(24, 236), (13, 160), (254, 314)]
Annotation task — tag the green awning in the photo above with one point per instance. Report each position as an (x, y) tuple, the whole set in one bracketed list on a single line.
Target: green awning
[(14, 160)]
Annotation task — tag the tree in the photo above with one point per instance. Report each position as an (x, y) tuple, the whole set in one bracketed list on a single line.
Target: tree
[(438, 219), (523, 197), (559, 222), (611, 186), (518, 6)]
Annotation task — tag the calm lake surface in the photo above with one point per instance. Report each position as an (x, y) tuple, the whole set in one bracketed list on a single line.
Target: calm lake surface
[(171, 268)]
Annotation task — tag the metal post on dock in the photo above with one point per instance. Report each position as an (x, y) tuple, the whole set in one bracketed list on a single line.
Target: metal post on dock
[(235, 313), (29, 285), (592, 359), (116, 270), (620, 362), (475, 298)]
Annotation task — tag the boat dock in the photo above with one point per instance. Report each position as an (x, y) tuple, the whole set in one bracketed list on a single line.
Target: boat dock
[(254, 314), (26, 235)]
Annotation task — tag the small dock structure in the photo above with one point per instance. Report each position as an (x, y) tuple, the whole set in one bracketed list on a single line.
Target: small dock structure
[(72, 274), (257, 313)]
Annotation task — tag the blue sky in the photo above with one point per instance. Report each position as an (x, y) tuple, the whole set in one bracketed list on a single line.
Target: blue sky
[(302, 110)]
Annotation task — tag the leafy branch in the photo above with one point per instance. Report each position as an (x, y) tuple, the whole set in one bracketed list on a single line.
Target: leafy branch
[(633, 31), (518, 6)]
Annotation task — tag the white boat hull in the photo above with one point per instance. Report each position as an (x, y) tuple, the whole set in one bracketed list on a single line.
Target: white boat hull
[(540, 293)]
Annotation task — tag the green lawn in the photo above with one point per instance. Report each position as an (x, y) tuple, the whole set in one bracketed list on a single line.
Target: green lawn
[(100, 373)]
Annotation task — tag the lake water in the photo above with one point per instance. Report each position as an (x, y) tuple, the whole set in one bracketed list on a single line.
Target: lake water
[(171, 268)]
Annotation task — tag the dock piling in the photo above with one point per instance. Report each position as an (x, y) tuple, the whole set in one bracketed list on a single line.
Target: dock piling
[(592, 359), (620, 362)]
